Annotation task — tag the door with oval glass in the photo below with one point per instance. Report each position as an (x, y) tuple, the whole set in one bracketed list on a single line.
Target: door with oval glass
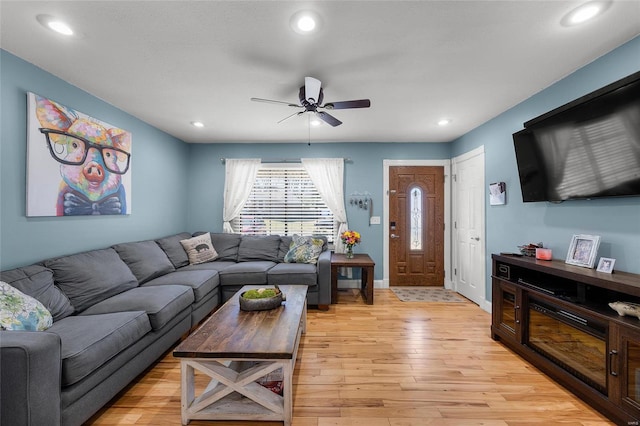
[(416, 226)]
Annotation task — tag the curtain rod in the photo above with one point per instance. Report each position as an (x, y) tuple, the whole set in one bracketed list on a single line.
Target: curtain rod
[(285, 160)]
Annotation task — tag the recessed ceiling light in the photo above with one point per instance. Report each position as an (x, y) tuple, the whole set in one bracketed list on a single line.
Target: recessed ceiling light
[(198, 124), (585, 12), (55, 24), (315, 122), (444, 122), (305, 22)]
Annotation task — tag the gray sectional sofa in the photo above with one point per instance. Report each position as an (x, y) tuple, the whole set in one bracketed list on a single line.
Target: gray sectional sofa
[(117, 310)]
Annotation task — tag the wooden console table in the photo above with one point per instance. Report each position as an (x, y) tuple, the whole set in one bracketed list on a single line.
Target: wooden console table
[(556, 316), (362, 261), (235, 348)]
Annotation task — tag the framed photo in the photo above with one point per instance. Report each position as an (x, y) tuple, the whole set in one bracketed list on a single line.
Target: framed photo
[(497, 193), (606, 265), (583, 250)]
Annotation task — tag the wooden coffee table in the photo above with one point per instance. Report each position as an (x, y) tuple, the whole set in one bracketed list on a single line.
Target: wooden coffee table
[(235, 348)]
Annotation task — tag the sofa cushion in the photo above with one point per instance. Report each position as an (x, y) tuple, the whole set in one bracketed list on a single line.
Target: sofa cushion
[(246, 273), (304, 250), (37, 282), (161, 303), (293, 273), (216, 265), (90, 277), (19, 311), (145, 259), (90, 341), (202, 282), (199, 249), (264, 247), (226, 245), (283, 248), (174, 250)]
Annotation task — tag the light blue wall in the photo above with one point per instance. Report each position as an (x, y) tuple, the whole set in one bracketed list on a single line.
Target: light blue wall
[(616, 221), (363, 173), (164, 166), (159, 163)]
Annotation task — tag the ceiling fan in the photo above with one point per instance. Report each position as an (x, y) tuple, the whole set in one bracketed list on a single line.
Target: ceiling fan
[(311, 96)]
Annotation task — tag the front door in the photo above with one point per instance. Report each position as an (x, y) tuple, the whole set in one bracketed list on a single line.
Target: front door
[(416, 226)]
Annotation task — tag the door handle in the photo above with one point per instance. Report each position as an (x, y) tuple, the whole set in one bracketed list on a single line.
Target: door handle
[(394, 236), (475, 238)]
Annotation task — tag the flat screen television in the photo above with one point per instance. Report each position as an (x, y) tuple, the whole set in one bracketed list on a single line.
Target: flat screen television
[(588, 148)]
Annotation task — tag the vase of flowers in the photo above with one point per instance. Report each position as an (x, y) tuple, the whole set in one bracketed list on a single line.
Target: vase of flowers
[(350, 239)]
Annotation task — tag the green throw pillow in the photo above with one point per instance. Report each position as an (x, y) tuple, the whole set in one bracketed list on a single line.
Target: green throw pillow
[(21, 312), (304, 250)]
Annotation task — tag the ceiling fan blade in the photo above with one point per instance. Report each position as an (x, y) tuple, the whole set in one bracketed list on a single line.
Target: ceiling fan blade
[(312, 89), (329, 119), (359, 103), (289, 116), (270, 101)]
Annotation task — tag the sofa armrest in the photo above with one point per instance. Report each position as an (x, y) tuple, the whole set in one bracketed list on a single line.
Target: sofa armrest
[(30, 371), (324, 278)]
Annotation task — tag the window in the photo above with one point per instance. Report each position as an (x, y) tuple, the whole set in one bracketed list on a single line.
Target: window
[(284, 201), (415, 207)]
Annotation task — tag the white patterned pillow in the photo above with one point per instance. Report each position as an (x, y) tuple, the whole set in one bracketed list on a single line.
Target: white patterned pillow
[(199, 249), (21, 312), (304, 250)]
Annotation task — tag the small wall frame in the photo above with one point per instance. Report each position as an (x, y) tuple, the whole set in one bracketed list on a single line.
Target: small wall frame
[(497, 193)]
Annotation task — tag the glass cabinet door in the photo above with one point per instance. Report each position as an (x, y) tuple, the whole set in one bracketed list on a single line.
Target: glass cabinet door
[(625, 356), (508, 311)]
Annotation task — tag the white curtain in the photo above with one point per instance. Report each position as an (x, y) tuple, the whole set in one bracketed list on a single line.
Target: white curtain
[(327, 174), (240, 174)]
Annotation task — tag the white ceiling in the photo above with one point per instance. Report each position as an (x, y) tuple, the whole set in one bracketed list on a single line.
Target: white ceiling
[(173, 62)]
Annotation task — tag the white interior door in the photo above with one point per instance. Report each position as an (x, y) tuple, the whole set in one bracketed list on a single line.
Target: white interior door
[(468, 213)]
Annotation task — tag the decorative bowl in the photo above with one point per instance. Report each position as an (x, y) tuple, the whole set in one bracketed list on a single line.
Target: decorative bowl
[(262, 304)]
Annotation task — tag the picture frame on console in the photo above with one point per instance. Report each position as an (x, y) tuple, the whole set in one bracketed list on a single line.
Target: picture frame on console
[(583, 250), (606, 265)]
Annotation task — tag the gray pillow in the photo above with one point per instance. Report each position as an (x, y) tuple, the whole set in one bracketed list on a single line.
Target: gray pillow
[(145, 259), (226, 245), (263, 247), (283, 249), (37, 282), (174, 250), (91, 277)]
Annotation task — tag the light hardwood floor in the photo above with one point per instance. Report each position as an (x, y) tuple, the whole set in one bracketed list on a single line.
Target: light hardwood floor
[(391, 364)]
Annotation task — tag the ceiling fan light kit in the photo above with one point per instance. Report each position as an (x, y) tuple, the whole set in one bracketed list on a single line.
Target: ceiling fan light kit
[(311, 96)]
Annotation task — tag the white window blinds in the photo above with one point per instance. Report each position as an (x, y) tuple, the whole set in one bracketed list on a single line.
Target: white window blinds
[(284, 201)]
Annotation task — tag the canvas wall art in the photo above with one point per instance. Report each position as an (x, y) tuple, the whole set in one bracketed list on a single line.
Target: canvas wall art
[(76, 164)]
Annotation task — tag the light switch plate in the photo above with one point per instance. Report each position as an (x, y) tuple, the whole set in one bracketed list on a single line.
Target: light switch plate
[(375, 220)]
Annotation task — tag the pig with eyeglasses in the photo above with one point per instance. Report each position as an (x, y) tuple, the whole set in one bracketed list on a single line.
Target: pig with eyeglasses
[(92, 160)]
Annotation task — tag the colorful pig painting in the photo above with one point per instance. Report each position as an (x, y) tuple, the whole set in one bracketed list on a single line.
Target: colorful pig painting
[(92, 160)]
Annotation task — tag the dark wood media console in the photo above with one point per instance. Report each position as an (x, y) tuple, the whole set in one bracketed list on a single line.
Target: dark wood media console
[(556, 316)]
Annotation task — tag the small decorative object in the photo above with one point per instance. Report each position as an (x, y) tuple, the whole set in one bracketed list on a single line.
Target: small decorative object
[(530, 249), (350, 239), (583, 250), (606, 265), (261, 299), (497, 193), (543, 253), (626, 308)]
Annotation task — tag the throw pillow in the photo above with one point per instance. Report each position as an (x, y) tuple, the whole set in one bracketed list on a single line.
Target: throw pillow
[(304, 250), (37, 281), (199, 249), (21, 312)]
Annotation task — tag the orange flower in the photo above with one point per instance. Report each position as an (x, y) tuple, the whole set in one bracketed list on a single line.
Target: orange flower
[(350, 238)]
